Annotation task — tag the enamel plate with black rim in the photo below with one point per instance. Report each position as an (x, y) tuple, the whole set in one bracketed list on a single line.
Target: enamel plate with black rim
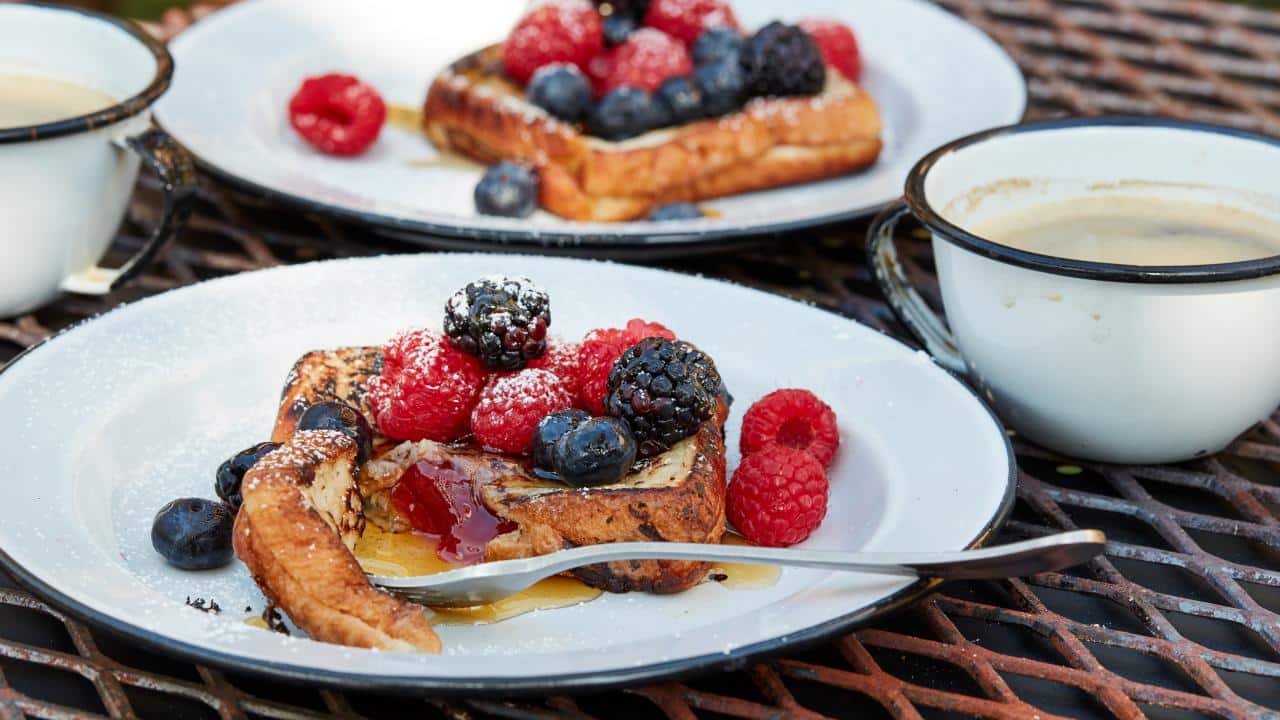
[(114, 418), (935, 78)]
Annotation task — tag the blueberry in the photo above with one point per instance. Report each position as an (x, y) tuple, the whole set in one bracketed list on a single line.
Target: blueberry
[(550, 429), (562, 90), (231, 473), (334, 415), (722, 85), (193, 533), (507, 189), (681, 97), (717, 44), (618, 27), (623, 113), (676, 211), (600, 450)]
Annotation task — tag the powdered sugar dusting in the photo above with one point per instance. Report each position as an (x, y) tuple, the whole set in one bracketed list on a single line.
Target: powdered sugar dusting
[(526, 388), (308, 447)]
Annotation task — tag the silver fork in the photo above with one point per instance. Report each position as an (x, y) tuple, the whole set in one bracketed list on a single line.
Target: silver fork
[(492, 581)]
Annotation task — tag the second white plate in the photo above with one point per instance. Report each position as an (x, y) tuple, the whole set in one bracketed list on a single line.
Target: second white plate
[(935, 77)]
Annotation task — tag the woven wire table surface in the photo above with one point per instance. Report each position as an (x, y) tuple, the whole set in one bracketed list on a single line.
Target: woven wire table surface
[(1180, 619)]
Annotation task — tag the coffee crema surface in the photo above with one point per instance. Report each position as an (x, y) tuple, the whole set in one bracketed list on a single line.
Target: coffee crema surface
[(1136, 231), (35, 99)]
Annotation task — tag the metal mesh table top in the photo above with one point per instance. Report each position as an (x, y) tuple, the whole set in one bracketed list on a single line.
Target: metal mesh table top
[(1180, 619)]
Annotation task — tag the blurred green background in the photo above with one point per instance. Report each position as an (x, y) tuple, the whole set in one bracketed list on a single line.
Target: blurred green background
[(150, 9)]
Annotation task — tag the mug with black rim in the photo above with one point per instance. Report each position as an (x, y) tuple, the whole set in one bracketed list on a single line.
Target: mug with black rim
[(1104, 361), (65, 183)]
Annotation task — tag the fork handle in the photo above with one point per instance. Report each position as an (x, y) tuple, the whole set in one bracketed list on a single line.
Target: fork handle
[(1027, 557)]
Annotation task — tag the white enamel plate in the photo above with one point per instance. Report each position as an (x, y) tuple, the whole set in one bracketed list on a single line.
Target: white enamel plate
[(110, 420), (935, 78)]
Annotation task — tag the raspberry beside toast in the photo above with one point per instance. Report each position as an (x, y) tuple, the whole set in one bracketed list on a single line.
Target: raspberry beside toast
[(471, 108)]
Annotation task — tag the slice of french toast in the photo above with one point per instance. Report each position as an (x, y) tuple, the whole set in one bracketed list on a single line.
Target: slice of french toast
[(300, 518), (677, 496), (473, 109)]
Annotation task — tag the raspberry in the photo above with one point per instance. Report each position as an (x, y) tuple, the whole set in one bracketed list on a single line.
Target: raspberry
[(838, 45), (554, 31), (511, 406), (561, 359), (646, 59), (427, 388), (638, 329), (337, 114), (685, 20), (791, 418), (600, 350), (778, 496)]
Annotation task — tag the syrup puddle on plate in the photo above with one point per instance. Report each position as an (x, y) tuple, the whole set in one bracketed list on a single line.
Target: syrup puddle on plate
[(743, 576), (409, 554), (405, 117), (409, 119)]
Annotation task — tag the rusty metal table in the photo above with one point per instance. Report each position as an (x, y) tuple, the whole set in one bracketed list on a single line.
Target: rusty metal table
[(1181, 619)]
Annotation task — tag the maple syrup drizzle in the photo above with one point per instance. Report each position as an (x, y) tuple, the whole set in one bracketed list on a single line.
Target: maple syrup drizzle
[(444, 159), (743, 576), (409, 119), (408, 554), (404, 117)]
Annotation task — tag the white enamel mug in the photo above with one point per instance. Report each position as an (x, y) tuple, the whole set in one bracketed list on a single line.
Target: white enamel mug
[(65, 185), (1118, 363)]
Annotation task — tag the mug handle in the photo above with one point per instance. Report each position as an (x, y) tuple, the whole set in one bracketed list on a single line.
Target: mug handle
[(176, 170), (906, 303)]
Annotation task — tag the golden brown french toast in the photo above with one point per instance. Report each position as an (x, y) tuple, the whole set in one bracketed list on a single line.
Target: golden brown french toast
[(677, 496), (473, 109), (300, 518), (342, 374)]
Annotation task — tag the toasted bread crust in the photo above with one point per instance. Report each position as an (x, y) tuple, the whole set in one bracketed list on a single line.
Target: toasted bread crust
[(304, 567), (471, 109), (690, 510), (340, 374)]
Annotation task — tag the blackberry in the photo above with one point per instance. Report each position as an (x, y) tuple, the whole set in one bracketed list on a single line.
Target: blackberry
[(664, 389), (783, 60), (503, 321)]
